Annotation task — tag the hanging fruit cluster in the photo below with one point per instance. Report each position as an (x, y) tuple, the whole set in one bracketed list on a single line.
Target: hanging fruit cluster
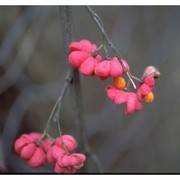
[(37, 148), (85, 57), (56, 152)]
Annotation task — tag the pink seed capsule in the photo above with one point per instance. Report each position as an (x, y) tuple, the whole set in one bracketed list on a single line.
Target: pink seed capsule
[(76, 58), (87, 67), (116, 69), (112, 92), (75, 46), (102, 69), (131, 105), (150, 81), (38, 159), (69, 142)]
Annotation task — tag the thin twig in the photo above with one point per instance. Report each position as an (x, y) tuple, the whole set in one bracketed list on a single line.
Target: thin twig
[(56, 109), (98, 21)]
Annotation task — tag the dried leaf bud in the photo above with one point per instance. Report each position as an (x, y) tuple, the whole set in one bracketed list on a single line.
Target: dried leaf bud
[(150, 71)]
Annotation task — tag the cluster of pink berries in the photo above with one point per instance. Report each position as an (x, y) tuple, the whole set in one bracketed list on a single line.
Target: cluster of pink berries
[(58, 153), (84, 56), (134, 100)]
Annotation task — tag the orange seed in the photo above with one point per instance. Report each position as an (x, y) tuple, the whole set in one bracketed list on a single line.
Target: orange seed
[(119, 82), (149, 97)]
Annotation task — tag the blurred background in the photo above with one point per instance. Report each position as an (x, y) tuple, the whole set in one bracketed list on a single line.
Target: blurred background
[(33, 69)]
